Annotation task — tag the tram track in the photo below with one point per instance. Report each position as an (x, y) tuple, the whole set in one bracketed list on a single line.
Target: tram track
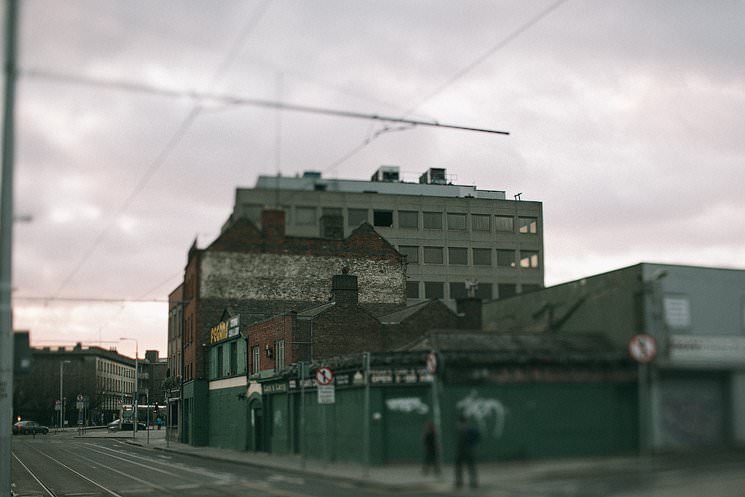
[(186, 480)]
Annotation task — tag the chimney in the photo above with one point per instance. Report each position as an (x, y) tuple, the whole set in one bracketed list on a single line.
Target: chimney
[(469, 311), (273, 223), (344, 288)]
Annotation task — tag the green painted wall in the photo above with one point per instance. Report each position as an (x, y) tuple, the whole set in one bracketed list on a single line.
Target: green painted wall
[(196, 414), (228, 418), (536, 420), (527, 420)]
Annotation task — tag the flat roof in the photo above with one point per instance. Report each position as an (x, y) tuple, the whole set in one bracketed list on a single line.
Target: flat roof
[(310, 183)]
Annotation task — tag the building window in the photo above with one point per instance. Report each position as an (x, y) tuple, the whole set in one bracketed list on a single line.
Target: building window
[(279, 355), (434, 290), (528, 225), (458, 256), (411, 252), (506, 290), (408, 219), (233, 358), (457, 222), (528, 259), (255, 364), (504, 224), (484, 291), (412, 289), (305, 216), (505, 258), (355, 217), (458, 291), (219, 371), (433, 255), (383, 219), (481, 257), (480, 222), (432, 220)]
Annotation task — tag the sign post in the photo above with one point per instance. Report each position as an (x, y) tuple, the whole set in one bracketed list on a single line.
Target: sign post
[(433, 368), (643, 349)]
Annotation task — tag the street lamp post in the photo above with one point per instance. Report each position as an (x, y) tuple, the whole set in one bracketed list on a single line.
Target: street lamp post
[(61, 393), (135, 400)]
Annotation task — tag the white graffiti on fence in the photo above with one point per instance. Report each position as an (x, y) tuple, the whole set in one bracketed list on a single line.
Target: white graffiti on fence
[(278, 419), (407, 404), (482, 409)]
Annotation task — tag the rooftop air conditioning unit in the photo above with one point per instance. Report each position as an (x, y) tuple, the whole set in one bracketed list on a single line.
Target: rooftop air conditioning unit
[(386, 174)]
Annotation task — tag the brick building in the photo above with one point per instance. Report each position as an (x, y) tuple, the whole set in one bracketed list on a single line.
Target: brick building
[(264, 273), (341, 326), (271, 273)]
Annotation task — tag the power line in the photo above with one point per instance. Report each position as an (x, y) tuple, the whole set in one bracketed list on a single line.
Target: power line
[(173, 142), (459, 74), (491, 51)]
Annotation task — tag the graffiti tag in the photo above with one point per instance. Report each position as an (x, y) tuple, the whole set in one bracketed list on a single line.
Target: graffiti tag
[(481, 410), (407, 404)]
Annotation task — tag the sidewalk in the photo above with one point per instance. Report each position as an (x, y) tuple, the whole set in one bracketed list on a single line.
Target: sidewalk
[(495, 478)]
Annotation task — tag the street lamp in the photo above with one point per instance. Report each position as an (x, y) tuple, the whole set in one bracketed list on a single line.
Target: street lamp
[(135, 400), (61, 398)]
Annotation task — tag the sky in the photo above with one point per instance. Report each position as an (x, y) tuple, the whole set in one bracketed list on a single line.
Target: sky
[(625, 120)]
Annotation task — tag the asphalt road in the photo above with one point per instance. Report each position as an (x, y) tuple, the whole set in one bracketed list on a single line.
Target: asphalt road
[(56, 465), (60, 465)]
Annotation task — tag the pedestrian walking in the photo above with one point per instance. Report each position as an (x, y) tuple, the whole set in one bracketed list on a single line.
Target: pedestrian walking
[(467, 438), (429, 441)]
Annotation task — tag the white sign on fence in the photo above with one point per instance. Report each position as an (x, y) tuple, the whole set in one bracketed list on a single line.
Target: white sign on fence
[(326, 394)]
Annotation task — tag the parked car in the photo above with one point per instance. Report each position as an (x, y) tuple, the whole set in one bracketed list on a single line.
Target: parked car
[(29, 427), (117, 425)]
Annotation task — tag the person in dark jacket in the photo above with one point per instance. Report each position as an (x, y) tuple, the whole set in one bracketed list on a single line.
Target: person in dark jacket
[(429, 440), (467, 438)]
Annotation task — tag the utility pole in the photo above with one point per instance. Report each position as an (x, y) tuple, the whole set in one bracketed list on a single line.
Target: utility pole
[(6, 246)]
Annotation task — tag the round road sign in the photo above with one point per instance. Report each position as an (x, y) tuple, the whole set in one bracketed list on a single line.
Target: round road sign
[(643, 348), (324, 376)]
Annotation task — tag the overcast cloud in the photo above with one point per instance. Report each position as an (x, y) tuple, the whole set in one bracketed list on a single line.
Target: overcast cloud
[(626, 121)]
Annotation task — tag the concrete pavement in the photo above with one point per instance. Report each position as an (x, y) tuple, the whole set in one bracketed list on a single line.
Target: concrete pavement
[(575, 476)]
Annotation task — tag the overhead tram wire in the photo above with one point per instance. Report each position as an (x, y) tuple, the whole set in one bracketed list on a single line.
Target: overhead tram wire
[(102, 300), (244, 101), (235, 50), (459, 74)]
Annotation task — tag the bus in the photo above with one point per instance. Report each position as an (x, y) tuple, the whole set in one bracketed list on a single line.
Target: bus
[(147, 414)]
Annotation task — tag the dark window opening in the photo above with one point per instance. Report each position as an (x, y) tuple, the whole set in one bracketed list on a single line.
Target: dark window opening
[(383, 218)]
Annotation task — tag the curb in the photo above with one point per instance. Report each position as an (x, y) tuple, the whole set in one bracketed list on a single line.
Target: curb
[(359, 482)]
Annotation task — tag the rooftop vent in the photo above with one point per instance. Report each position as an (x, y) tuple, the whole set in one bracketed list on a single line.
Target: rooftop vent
[(434, 176), (386, 174)]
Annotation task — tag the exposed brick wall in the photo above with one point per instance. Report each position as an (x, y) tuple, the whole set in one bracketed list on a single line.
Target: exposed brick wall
[(345, 329), (261, 276), (267, 332)]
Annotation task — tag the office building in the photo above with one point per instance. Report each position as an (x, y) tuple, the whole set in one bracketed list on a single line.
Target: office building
[(452, 235)]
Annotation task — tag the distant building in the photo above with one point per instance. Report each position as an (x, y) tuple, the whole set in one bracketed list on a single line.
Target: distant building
[(153, 371), (451, 234), (103, 379), (692, 392)]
